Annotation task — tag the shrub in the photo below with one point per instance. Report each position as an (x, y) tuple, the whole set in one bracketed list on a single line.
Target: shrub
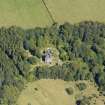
[(81, 86), (69, 91), (33, 60), (83, 101)]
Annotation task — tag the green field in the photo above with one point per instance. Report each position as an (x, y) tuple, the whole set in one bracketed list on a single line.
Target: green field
[(31, 13), (75, 11), (24, 13), (52, 92)]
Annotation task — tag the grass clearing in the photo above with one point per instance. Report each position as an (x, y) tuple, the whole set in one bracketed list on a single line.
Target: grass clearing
[(74, 11), (55, 58), (52, 92), (49, 92), (24, 13)]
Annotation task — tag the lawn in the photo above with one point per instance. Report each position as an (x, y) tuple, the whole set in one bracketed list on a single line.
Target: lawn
[(24, 13), (74, 11)]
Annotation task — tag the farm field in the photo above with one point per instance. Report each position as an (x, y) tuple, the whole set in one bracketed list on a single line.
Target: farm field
[(75, 11), (31, 13), (24, 13), (52, 92)]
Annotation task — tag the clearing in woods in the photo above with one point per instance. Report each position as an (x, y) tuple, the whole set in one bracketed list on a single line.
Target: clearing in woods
[(52, 92)]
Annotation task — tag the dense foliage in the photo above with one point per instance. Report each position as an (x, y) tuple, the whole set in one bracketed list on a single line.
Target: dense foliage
[(81, 48)]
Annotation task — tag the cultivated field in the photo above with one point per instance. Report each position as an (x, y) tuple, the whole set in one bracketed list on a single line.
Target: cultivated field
[(31, 13), (52, 92), (24, 13), (75, 11)]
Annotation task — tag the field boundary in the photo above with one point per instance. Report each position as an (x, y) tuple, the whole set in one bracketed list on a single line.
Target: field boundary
[(47, 9)]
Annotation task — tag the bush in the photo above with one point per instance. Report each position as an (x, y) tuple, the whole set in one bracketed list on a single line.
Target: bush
[(33, 60), (63, 55), (81, 86), (69, 91), (83, 101)]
